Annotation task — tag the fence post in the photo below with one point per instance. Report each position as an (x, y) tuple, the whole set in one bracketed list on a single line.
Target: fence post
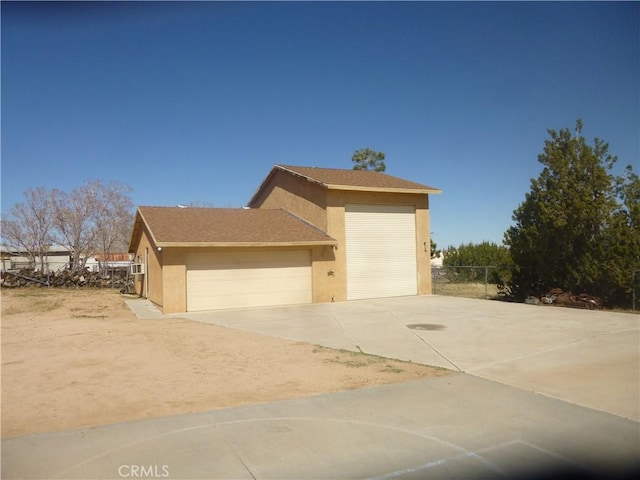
[(633, 289), (486, 279), (434, 280)]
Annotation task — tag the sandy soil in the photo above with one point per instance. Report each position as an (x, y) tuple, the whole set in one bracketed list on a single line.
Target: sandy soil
[(75, 358)]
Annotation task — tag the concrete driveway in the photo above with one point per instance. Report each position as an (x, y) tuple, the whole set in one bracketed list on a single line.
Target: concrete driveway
[(591, 358), (486, 423)]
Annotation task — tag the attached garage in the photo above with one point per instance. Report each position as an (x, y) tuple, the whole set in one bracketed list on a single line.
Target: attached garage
[(234, 279), (194, 259), (381, 251), (308, 235)]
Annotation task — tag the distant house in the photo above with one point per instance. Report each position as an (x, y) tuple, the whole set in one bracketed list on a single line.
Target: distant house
[(57, 258), (436, 262), (109, 261), (309, 235)]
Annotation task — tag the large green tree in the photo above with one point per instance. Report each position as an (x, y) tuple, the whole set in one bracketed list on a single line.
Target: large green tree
[(485, 254), (579, 226), (367, 159)]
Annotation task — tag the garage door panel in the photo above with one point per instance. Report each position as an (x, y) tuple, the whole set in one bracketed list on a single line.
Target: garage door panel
[(248, 279), (381, 251), (250, 260)]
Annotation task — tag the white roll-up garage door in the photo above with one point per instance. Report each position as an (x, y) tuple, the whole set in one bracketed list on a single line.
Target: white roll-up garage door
[(381, 251), (248, 279)]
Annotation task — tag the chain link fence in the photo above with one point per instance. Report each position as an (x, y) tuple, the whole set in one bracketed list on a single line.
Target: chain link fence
[(467, 281), (485, 281)]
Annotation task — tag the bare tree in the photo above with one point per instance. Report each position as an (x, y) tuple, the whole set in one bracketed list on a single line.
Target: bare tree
[(91, 218), (113, 217), (30, 227), (73, 221)]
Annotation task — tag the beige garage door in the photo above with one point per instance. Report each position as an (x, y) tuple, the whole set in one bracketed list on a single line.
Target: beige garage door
[(248, 279), (381, 251)]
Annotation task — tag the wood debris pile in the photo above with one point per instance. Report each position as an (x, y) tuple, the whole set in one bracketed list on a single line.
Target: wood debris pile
[(116, 279), (558, 297)]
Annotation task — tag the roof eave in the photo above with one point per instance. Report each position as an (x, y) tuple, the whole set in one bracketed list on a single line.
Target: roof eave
[(309, 243), (260, 188), (272, 173), (135, 232), (415, 191), (138, 224), (301, 175)]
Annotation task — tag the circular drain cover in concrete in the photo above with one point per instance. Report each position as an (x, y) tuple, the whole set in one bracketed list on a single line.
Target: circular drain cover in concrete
[(426, 326)]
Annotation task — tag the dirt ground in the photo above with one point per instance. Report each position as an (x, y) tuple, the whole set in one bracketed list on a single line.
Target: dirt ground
[(75, 358)]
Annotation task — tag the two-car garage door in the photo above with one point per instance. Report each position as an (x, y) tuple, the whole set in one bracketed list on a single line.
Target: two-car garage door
[(381, 251), (381, 262), (231, 279)]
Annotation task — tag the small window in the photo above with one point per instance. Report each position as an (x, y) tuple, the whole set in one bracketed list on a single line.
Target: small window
[(137, 269)]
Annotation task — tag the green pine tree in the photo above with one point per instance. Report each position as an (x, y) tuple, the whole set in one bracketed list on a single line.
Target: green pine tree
[(367, 159), (578, 227)]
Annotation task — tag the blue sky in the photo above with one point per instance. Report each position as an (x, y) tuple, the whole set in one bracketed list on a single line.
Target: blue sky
[(196, 101)]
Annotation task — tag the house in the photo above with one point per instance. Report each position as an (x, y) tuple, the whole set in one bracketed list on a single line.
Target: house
[(309, 235), (437, 261), (108, 261), (56, 257)]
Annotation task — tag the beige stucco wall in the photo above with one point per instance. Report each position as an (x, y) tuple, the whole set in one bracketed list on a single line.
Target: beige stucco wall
[(326, 284), (165, 272), (324, 208), (308, 201), (423, 247), (174, 276), (297, 195), (153, 272)]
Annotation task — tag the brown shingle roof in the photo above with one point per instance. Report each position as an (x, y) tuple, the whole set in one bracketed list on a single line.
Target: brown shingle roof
[(176, 226), (342, 179)]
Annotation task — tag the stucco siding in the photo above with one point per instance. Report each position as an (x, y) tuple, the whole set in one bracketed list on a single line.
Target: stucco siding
[(335, 225), (174, 280), (147, 254), (423, 248), (299, 196), (326, 286)]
